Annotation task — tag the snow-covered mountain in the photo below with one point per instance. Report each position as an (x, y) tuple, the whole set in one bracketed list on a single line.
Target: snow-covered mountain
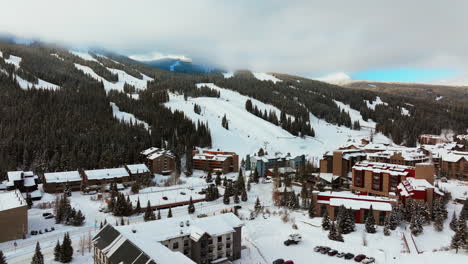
[(335, 78)]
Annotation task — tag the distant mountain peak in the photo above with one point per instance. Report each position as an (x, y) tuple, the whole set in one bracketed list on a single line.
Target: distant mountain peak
[(335, 78)]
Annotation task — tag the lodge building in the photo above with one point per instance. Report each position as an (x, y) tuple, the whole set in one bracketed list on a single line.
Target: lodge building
[(159, 161), (222, 161), (13, 216)]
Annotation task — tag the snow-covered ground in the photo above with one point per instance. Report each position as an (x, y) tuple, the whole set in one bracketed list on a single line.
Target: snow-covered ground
[(355, 115), (140, 84), (247, 132), (262, 76), (374, 103), (24, 84), (127, 117), (84, 55)]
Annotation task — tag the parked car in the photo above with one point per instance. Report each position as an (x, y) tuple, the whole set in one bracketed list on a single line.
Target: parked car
[(33, 233), (359, 257), (278, 261), (293, 239), (46, 214), (368, 260), (332, 252), (349, 256), (52, 229), (341, 255), (443, 179), (318, 248), (289, 262), (165, 198), (49, 216), (183, 193), (202, 192), (190, 188), (325, 250)]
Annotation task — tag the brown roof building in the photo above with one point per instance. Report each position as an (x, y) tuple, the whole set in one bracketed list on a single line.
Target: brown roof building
[(341, 162), (454, 164), (159, 161), (215, 160)]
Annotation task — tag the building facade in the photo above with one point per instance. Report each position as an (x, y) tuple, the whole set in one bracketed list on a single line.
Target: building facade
[(54, 182), (105, 176), (174, 240), (159, 161), (13, 216), (263, 162), (454, 164), (382, 179), (222, 161), (341, 162), (330, 202), (408, 157), (24, 181)]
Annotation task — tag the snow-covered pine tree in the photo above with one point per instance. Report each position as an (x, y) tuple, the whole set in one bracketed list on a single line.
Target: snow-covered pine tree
[(256, 177), (304, 196), (218, 179), (66, 253), (454, 222), (438, 221), (148, 212), (226, 198), (370, 221), (236, 198), (258, 205), (326, 221), (38, 258), (2, 258), (349, 224), (340, 218), (334, 233), (460, 238), (416, 223), (138, 207), (191, 207), (159, 215), (387, 225), (244, 197), (464, 211), (312, 209), (57, 251)]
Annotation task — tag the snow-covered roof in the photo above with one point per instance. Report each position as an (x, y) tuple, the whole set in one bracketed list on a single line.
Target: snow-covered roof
[(352, 196), (137, 168), (158, 153), (407, 154), (379, 167), (347, 156), (206, 156), (106, 173), (165, 229), (10, 200), (408, 186), (360, 204), (16, 175), (33, 194), (29, 182), (149, 151), (328, 177), (454, 156), (63, 176)]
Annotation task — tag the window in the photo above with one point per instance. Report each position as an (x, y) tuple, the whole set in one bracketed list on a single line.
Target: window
[(185, 242), (376, 181), (175, 245), (382, 215), (210, 241), (358, 178), (394, 181), (228, 245), (186, 251), (228, 238), (323, 209), (220, 239)]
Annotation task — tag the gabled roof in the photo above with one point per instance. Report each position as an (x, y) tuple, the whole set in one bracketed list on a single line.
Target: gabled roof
[(60, 177), (137, 168), (10, 200)]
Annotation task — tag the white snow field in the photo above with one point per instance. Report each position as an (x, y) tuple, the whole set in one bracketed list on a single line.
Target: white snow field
[(24, 84), (262, 76), (374, 103), (127, 117), (84, 55), (247, 132), (140, 84), (355, 115)]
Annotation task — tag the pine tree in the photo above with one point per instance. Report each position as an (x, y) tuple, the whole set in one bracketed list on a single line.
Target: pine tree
[(394, 218), (57, 251), (370, 221), (38, 258), (387, 225), (29, 200), (454, 222), (311, 210), (159, 215), (2, 258), (138, 207), (244, 197), (149, 213), (191, 207), (256, 177), (236, 198), (208, 177), (326, 221), (460, 238), (258, 205), (78, 219), (416, 223), (464, 211), (226, 199), (169, 214), (218, 179), (334, 233), (66, 253), (122, 222), (438, 222)]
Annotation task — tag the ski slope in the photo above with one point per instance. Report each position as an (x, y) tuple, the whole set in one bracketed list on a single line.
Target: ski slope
[(247, 132), (266, 77), (355, 115), (140, 84), (127, 117)]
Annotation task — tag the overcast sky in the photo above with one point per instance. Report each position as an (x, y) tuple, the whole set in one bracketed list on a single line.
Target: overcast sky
[(301, 37)]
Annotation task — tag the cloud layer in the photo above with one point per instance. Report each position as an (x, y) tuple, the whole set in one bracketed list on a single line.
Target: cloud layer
[(301, 37)]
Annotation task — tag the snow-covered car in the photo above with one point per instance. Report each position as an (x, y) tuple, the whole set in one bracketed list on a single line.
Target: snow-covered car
[(368, 260), (349, 256), (341, 255), (332, 252), (293, 239), (317, 248)]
